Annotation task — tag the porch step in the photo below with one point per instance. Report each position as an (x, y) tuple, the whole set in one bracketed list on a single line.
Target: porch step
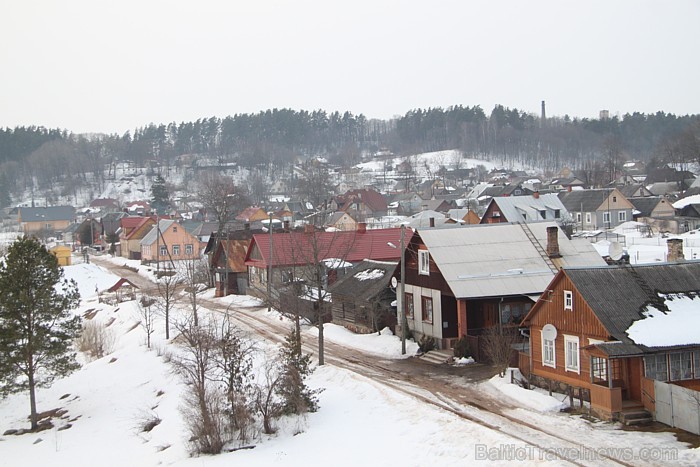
[(437, 356), (636, 417)]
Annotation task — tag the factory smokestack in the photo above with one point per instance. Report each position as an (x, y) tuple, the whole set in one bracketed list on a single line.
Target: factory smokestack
[(543, 119)]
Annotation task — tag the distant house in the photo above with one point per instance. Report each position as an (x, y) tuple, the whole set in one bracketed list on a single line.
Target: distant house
[(138, 208), (533, 208), (463, 216), (131, 232), (362, 204), (635, 191), (604, 208), (439, 205), (462, 280), (105, 205), (616, 332), (341, 220), (62, 254), (252, 214), (652, 207), (49, 219), (169, 241), (565, 184)]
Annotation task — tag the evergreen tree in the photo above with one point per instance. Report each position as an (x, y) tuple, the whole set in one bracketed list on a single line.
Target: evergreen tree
[(160, 198), (296, 396), (36, 323)]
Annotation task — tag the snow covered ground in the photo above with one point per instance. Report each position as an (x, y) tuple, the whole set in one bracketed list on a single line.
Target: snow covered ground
[(360, 421)]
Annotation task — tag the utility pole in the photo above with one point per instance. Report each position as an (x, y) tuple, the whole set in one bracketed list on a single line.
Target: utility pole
[(402, 294), (269, 267)]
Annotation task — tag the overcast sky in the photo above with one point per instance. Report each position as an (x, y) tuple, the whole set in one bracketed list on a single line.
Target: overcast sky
[(99, 66)]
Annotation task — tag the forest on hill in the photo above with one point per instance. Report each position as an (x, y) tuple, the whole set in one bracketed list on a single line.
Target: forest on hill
[(276, 138)]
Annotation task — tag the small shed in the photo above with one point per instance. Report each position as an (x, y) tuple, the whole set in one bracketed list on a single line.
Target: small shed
[(123, 290), (62, 254)]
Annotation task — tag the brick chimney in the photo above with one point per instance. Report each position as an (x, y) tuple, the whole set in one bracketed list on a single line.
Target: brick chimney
[(536, 195), (675, 250), (553, 242), (568, 188), (432, 222), (361, 227)]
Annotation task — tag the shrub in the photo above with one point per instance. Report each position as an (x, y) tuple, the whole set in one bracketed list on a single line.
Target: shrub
[(461, 348), (95, 340), (426, 343)]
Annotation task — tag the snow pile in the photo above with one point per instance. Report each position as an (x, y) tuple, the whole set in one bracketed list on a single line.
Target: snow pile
[(530, 398), (386, 344), (91, 278), (681, 203), (677, 327), (464, 361), (369, 274)]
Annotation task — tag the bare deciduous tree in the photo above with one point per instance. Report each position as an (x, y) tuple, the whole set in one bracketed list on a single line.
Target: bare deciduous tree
[(498, 346)]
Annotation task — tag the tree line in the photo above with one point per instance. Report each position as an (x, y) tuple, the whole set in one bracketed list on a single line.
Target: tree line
[(36, 157)]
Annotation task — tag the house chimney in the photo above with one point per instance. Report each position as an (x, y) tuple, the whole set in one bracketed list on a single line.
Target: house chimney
[(553, 242), (536, 195), (568, 188), (432, 222), (361, 227), (675, 250)]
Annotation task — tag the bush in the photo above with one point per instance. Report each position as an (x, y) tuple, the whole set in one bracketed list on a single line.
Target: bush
[(95, 340), (461, 348), (426, 344)]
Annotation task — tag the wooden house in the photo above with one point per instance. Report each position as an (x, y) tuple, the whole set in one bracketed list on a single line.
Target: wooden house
[(462, 280), (462, 216), (131, 232), (227, 260), (169, 241), (362, 299), (612, 331), (341, 220), (532, 208), (656, 207), (49, 219), (597, 209), (362, 204), (252, 214)]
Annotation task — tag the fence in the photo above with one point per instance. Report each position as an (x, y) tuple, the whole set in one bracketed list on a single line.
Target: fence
[(677, 406)]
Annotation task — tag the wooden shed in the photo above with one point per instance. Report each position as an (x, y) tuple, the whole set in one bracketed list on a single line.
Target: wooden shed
[(62, 254)]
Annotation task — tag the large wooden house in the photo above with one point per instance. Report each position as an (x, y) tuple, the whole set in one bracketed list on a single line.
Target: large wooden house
[(613, 331), (597, 209), (460, 281), (227, 260), (169, 241)]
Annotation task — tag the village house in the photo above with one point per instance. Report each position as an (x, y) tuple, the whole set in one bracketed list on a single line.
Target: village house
[(362, 300), (252, 214), (598, 209), (169, 241), (616, 332), (227, 260), (532, 208), (460, 281), (341, 220), (131, 232), (52, 219)]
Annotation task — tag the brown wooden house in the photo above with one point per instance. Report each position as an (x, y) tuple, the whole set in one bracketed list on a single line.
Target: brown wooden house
[(584, 334), (227, 260)]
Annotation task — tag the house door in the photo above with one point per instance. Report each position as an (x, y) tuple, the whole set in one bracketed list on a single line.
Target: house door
[(634, 378), (490, 315), (448, 307)]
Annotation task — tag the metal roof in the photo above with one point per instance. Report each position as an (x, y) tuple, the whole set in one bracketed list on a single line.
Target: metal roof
[(530, 208), (53, 213), (150, 237), (494, 260)]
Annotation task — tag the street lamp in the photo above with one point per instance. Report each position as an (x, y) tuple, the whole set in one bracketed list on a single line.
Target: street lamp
[(402, 295)]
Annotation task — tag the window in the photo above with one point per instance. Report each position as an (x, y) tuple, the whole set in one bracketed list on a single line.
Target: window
[(599, 368), (423, 262), (543, 214), (548, 357), (606, 217), (496, 214), (578, 217), (408, 305), (622, 216), (427, 309), (614, 199), (189, 249), (571, 353), (163, 251), (174, 229), (697, 364), (557, 214), (588, 218), (681, 365), (568, 300), (176, 250), (656, 367)]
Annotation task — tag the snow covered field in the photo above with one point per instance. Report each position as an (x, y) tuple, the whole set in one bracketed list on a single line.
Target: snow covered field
[(360, 421)]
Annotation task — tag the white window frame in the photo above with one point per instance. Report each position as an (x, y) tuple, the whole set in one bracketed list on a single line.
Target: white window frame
[(622, 216), (189, 249), (578, 217), (548, 347), (424, 262), (588, 218), (163, 251), (572, 360), (568, 300), (176, 250), (606, 217)]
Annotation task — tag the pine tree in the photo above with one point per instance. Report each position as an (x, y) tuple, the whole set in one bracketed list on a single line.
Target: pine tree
[(295, 367), (160, 198), (36, 323)]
